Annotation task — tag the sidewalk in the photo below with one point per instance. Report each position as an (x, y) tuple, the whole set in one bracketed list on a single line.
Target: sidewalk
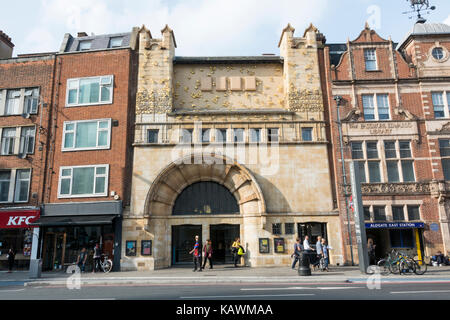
[(220, 274)]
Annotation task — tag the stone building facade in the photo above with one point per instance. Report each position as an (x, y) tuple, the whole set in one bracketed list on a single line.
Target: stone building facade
[(229, 147), (394, 125)]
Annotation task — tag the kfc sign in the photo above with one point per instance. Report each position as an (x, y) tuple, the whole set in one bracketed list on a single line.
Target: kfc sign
[(18, 219)]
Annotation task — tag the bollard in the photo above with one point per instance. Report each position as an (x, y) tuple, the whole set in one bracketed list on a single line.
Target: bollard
[(303, 267)]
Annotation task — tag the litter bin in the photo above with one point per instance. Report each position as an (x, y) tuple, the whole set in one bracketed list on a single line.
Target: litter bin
[(303, 267), (35, 268)]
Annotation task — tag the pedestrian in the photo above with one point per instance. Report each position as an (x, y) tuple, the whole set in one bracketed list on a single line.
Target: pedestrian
[(11, 256), (325, 254), (296, 254), (97, 257), (318, 251), (81, 260), (371, 251), (207, 251), (234, 250), (196, 251), (308, 250)]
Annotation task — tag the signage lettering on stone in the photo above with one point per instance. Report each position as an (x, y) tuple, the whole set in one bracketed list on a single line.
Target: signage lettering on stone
[(381, 128)]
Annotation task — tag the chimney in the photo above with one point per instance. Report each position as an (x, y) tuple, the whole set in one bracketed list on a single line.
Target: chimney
[(82, 34), (6, 46)]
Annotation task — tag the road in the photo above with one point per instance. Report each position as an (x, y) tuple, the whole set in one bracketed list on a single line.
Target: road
[(232, 291)]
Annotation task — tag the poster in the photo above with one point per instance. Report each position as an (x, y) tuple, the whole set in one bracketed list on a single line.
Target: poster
[(130, 249), (279, 245), (264, 245), (146, 247)]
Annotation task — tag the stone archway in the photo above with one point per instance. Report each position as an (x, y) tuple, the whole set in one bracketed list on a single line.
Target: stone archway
[(181, 173)]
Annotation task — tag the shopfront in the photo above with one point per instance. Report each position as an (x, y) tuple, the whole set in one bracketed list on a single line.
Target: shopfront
[(17, 233), (406, 237), (68, 228)]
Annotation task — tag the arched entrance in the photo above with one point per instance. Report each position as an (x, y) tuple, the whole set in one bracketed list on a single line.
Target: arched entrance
[(212, 198)]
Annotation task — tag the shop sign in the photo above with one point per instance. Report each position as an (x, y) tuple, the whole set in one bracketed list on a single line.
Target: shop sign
[(18, 219), (394, 225)]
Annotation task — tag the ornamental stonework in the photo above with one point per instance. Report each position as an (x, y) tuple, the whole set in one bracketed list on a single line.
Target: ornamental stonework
[(153, 101), (392, 188), (305, 100)]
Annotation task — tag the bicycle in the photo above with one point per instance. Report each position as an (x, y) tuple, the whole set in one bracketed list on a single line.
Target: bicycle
[(409, 264), (105, 263), (390, 264)]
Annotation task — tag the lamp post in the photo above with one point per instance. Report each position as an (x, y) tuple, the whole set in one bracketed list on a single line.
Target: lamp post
[(338, 100)]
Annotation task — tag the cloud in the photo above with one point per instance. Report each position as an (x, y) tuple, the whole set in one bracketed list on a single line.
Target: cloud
[(447, 21), (202, 27)]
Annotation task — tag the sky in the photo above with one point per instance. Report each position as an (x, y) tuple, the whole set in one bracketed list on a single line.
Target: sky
[(206, 27)]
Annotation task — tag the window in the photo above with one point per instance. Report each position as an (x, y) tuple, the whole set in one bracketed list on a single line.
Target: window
[(84, 45), (221, 135), (374, 171), (370, 59), (22, 185), (85, 91), (289, 228), (186, 135), (379, 213), (15, 185), (115, 42), (87, 135), (413, 213), (276, 228), (366, 213), (152, 136), (397, 213), (83, 181), (206, 135), (31, 101), (372, 150), (362, 171), (397, 165), (441, 104), (401, 238), (438, 53), (272, 135), (378, 110), (357, 150), (390, 150), (238, 135), (27, 140), (12, 102), (8, 141), (444, 146), (255, 135), (307, 134), (392, 170)]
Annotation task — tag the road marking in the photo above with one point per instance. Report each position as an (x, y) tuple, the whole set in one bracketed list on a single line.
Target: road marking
[(17, 290), (94, 299), (430, 291), (251, 296), (299, 288)]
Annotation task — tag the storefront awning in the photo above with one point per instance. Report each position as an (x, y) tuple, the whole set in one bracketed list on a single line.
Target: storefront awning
[(45, 221), (395, 225)]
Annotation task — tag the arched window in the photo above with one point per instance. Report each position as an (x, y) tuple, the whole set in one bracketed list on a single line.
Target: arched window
[(205, 198)]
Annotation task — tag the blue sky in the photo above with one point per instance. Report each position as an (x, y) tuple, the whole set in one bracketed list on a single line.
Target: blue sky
[(206, 27)]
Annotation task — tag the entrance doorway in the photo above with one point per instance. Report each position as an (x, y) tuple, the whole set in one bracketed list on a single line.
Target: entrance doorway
[(183, 240), (54, 250), (222, 237), (313, 230)]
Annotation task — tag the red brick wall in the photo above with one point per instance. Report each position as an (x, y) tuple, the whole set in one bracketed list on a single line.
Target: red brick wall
[(119, 63), (26, 73)]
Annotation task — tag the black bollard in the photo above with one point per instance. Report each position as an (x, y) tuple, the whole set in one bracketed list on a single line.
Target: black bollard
[(303, 267)]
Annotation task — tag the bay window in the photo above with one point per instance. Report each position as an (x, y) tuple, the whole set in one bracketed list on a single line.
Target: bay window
[(83, 181)]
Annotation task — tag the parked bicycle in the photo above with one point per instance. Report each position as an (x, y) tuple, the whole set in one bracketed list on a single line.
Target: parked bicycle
[(105, 263), (399, 263)]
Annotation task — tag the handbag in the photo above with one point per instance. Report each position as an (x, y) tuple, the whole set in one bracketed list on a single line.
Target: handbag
[(240, 251)]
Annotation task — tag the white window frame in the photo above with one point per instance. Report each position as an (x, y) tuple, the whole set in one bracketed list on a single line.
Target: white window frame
[(251, 136), (74, 131), (94, 195), (367, 56), (24, 141), (115, 38), (15, 186), (375, 106), (17, 96), (28, 95), (81, 42), (445, 101), (77, 85), (12, 185), (14, 141)]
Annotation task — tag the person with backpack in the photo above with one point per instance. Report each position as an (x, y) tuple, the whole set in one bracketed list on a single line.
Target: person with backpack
[(237, 251), (196, 251), (296, 254), (207, 251)]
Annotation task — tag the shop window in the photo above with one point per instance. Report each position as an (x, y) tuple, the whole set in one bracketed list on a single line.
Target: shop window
[(289, 228), (89, 91), (276, 228), (413, 213), (379, 213), (397, 213), (87, 135), (401, 238), (152, 136)]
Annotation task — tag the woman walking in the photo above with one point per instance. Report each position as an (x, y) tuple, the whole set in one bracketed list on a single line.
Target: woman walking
[(207, 252)]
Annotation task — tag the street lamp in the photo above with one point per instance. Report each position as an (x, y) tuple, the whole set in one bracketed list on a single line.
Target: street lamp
[(338, 100)]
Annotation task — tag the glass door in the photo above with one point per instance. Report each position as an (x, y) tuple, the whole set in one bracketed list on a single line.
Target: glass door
[(54, 251)]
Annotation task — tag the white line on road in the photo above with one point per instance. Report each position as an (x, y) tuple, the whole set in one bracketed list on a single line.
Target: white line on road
[(16, 290), (299, 288), (251, 296), (430, 291)]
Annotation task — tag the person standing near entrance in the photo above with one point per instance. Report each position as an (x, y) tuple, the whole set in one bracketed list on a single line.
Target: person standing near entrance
[(11, 257), (234, 250), (97, 257), (319, 252), (371, 251), (207, 251), (81, 260), (196, 255)]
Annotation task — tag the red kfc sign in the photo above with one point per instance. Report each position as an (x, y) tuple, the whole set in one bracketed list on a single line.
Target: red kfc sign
[(18, 219)]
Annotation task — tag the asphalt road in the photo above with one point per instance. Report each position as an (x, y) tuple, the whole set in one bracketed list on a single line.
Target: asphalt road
[(233, 291)]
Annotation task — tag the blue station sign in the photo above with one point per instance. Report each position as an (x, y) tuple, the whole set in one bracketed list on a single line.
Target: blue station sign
[(393, 225)]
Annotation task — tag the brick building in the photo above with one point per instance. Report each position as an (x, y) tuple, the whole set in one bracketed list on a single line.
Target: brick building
[(394, 113), (90, 151), (26, 86)]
